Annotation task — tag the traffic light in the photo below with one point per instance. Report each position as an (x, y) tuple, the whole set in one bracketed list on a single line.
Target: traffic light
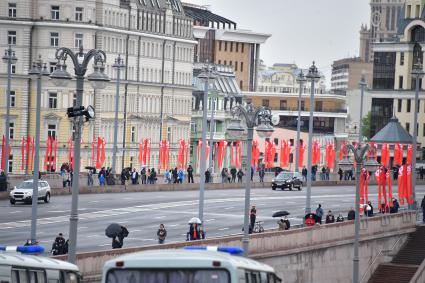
[(75, 111)]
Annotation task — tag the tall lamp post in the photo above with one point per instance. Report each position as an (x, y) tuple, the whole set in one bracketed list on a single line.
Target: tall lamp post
[(119, 63), (301, 80), (418, 74), (371, 165), (37, 71), (98, 79), (206, 75), (313, 77), (9, 58), (362, 84), (261, 118)]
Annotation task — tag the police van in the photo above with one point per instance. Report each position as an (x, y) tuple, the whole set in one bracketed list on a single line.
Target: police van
[(193, 264), (22, 265)]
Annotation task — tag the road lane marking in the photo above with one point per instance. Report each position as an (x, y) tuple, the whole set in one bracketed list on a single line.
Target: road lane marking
[(17, 211), (103, 245), (209, 220), (161, 207), (222, 229), (230, 207), (160, 217), (57, 211)]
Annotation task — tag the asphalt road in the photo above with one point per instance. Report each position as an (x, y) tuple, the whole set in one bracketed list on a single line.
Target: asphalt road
[(142, 213)]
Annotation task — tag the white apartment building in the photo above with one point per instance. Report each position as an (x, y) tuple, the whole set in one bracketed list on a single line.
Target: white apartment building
[(154, 37)]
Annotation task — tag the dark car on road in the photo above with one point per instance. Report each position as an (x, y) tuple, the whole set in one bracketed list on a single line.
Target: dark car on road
[(287, 180)]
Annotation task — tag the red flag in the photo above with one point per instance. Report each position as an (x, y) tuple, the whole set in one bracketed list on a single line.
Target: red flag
[(362, 186), (390, 187), (366, 191), (255, 153), (3, 156), (32, 152), (220, 153), (408, 182), (342, 150), (409, 154), (301, 154), (22, 153), (402, 173), (140, 154), (269, 153), (398, 154), (28, 152), (385, 155), (316, 153), (330, 155)]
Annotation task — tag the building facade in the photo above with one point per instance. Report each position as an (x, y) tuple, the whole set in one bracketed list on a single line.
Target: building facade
[(384, 18), (222, 43), (347, 73), (393, 83), (155, 38)]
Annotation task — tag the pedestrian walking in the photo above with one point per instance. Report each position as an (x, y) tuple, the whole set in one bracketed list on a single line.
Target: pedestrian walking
[(223, 175), (123, 176), (134, 177), (180, 176), (148, 176), (330, 218), (233, 172), (167, 177), (328, 173), (421, 172), (340, 173), (319, 212), (153, 176), (252, 173), (116, 244), (240, 175), (284, 224), (423, 209), (323, 175), (261, 174), (190, 174), (369, 209), (340, 218), (90, 178), (143, 175), (102, 180), (304, 173), (162, 233), (252, 217)]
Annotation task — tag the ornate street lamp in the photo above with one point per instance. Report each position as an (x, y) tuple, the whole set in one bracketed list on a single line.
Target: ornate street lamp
[(301, 80), (261, 118), (61, 77), (119, 64), (38, 71)]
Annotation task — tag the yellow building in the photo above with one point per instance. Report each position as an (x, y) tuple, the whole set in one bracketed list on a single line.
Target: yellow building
[(156, 42)]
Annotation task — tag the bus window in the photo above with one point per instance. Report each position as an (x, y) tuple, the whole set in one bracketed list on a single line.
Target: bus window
[(168, 276), (15, 276)]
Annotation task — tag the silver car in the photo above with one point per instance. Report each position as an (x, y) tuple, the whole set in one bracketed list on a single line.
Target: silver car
[(23, 192)]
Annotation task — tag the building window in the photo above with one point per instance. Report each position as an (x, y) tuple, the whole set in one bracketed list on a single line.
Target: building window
[(52, 67), (319, 106), (231, 63), (243, 47), (283, 104), (133, 134), (168, 133), (236, 66), (54, 12), (11, 37), (10, 167), (53, 100), (423, 130), (401, 58), (79, 14), (11, 130), (12, 98), (399, 105), (384, 70), (408, 127), (400, 82), (219, 45), (225, 46), (409, 102), (51, 130), (265, 102), (219, 62), (12, 10), (78, 40), (302, 105), (225, 62), (231, 46), (242, 65), (237, 46), (54, 39), (241, 84)]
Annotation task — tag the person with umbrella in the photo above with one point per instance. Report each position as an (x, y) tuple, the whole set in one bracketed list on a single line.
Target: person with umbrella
[(194, 229), (252, 216), (162, 233), (117, 233), (284, 223)]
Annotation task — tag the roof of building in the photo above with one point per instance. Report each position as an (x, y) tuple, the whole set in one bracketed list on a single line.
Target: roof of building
[(204, 16), (159, 5), (393, 132)]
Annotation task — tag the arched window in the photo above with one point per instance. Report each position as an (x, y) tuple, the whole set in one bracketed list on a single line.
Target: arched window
[(417, 34)]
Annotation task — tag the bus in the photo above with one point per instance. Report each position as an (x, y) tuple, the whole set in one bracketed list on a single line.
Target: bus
[(22, 265), (194, 265)]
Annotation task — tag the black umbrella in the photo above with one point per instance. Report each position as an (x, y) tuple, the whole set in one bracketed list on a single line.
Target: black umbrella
[(280, 213), (90, 168), (113, 230), (124, 231)]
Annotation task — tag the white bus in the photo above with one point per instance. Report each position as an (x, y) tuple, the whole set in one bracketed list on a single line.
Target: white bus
[(18, 266), (186, 266)]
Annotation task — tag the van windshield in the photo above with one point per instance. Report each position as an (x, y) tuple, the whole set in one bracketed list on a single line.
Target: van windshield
[(168, 276)]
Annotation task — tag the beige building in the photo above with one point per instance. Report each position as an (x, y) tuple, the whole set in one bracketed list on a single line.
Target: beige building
[(346, 74), (393, 84), (222, 43), (155, 38)]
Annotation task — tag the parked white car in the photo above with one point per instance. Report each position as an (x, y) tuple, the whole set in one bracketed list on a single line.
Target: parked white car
[(23, 192)]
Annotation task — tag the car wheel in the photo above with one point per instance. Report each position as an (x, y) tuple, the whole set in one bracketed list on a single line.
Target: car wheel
[(12, 201), (290, 187), (299, 188), (29, 201), (47, 198)]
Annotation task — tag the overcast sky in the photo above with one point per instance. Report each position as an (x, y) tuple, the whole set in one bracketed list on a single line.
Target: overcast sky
[(302, 30)]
